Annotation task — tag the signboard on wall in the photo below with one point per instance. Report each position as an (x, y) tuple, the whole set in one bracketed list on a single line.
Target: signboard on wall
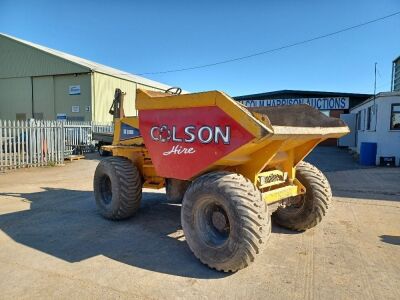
[(74, 90), (330, 103), (61, 117)]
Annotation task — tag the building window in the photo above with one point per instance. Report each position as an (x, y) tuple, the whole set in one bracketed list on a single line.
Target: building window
[(395, 117), (359, 120), (369, 117), (365, 119)]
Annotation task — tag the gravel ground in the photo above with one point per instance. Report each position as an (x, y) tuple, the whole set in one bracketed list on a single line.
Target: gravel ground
[(53, 243)]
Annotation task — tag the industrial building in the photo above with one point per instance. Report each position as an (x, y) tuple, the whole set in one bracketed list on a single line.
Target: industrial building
[(331, 103), (42, 83), (396, 75)]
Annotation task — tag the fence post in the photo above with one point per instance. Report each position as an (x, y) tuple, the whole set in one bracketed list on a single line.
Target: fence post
[(18, 164), (1, 145), (24, 143), (8, 148), (62, 142)]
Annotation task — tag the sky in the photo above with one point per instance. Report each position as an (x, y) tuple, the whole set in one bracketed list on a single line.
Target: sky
[(152, 36)]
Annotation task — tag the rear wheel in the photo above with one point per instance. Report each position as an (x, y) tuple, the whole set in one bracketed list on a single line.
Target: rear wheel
[(117, 188), (306, 211), (225, 221)]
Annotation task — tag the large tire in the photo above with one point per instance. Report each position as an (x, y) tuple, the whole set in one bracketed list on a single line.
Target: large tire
[(306, 211), (117, 188), (225, 221)]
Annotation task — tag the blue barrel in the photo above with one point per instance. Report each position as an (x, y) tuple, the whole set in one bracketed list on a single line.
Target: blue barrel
[(368, 154)]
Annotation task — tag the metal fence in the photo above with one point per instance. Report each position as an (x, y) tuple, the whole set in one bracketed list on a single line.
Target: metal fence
[(78, 136), (40, 143), (30, 144), (102, 127)]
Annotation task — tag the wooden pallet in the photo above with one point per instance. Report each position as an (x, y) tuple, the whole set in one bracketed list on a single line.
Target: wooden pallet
[(74, 157)]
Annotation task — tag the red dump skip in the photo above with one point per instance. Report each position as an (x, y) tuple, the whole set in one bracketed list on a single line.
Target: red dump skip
[(183, 142)]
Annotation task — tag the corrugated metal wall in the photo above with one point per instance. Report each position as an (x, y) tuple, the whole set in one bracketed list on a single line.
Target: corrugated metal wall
[(49, 96), (103, 94), (27, 76), (43, 97), (15, 97), (20, 60), (64, 101), (33, 81)]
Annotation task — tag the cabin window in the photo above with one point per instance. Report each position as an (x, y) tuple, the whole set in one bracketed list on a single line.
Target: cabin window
[(369, 117), (359, 120), (395, 117)]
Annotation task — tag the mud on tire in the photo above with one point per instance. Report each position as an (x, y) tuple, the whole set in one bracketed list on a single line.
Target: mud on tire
[(117, 188), (307, 210), (225, 221)]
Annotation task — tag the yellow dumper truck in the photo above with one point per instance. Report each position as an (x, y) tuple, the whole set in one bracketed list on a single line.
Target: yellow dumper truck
[(232, 167)]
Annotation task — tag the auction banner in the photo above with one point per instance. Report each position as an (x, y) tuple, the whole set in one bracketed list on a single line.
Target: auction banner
[(330, 103)]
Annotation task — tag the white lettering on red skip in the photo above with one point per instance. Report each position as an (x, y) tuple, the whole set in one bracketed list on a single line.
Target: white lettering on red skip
[(204, 134), (178, 150)]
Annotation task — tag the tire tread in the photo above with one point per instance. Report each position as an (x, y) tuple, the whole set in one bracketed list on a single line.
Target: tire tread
[(129, 181), (250, 208), (321, 198)]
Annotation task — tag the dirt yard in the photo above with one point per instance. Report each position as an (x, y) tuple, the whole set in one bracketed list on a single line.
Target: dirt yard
[(53, 243)]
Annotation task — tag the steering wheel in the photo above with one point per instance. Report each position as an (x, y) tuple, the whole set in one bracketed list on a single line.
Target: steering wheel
[(174, 90)]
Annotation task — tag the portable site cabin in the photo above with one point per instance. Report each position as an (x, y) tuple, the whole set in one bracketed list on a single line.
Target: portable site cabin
[(377, 121)]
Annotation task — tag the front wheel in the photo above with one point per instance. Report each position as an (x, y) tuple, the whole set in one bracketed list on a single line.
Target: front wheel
[(117, 188), (306, 211), (225, 220)]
